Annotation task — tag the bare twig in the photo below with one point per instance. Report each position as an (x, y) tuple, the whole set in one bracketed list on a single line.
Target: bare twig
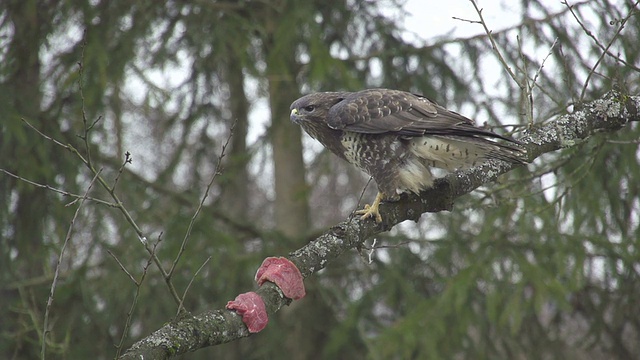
[(184, 295), (59, 191), (127, 160), (87, 127), (495, 46), (123, 267), (528, 95), (120, 206), (65, 146), (110, 189), (525, 84), (537, 74), (187, 235), (605, 49), (466, 20), (54, 283), (532, 85), (394, 246), (567, 79), (127, 323), (597, 42)]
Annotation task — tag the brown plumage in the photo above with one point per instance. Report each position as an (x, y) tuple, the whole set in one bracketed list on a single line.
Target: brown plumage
[(396, 136)]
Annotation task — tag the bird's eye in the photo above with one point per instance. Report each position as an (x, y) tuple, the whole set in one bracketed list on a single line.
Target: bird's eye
[(309, 108)]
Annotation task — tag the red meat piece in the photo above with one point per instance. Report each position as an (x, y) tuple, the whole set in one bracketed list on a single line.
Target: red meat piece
[(251, 307), (283, 273)]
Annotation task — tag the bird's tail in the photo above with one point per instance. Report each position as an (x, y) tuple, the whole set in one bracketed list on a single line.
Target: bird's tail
[(453, 152)]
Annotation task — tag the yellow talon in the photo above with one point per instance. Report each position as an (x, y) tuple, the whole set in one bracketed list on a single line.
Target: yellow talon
[(371, 211)]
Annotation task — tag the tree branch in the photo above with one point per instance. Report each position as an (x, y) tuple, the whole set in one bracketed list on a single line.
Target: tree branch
[(189, 333)]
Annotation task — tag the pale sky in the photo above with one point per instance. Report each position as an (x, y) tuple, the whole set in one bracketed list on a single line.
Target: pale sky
[(428, 21)]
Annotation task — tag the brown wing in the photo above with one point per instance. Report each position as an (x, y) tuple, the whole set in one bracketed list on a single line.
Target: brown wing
[(379, 111)]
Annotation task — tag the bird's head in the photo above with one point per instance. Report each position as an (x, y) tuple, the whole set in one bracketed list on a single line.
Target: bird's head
[(313, 109)]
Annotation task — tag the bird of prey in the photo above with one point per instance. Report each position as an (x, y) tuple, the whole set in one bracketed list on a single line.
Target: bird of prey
[(396, 137)]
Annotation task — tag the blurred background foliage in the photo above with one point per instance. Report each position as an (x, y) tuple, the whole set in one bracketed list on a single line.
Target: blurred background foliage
[(544, 262)]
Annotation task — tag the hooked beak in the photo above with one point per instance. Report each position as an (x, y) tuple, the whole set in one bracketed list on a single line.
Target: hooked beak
[(294, 116)]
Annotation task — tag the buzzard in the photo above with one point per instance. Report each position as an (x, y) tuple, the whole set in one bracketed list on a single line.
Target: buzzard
[(396, 137)]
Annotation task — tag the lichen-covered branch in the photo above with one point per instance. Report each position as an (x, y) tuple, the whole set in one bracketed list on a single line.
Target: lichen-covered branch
[(189, 333)]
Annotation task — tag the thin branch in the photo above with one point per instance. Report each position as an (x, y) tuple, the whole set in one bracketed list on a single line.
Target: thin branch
[(568, 79), (532, 85), (187, 200), (187, 235), (54, 283), (467, 20), (127, 323), (394, 246), (494, 46), (528, 95), (595, 39), (65, 146), (184, 295), (123, 268), (605, 49), (535, 77), (111, 190), (59, 191), (127, 160), (87, 128)]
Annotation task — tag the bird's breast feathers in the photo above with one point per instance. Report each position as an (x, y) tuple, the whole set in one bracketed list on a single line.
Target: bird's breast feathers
[(367, 151)]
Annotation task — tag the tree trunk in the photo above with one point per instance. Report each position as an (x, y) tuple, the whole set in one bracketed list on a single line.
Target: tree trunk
[(291, 209), (291, 205), (24, 207)]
